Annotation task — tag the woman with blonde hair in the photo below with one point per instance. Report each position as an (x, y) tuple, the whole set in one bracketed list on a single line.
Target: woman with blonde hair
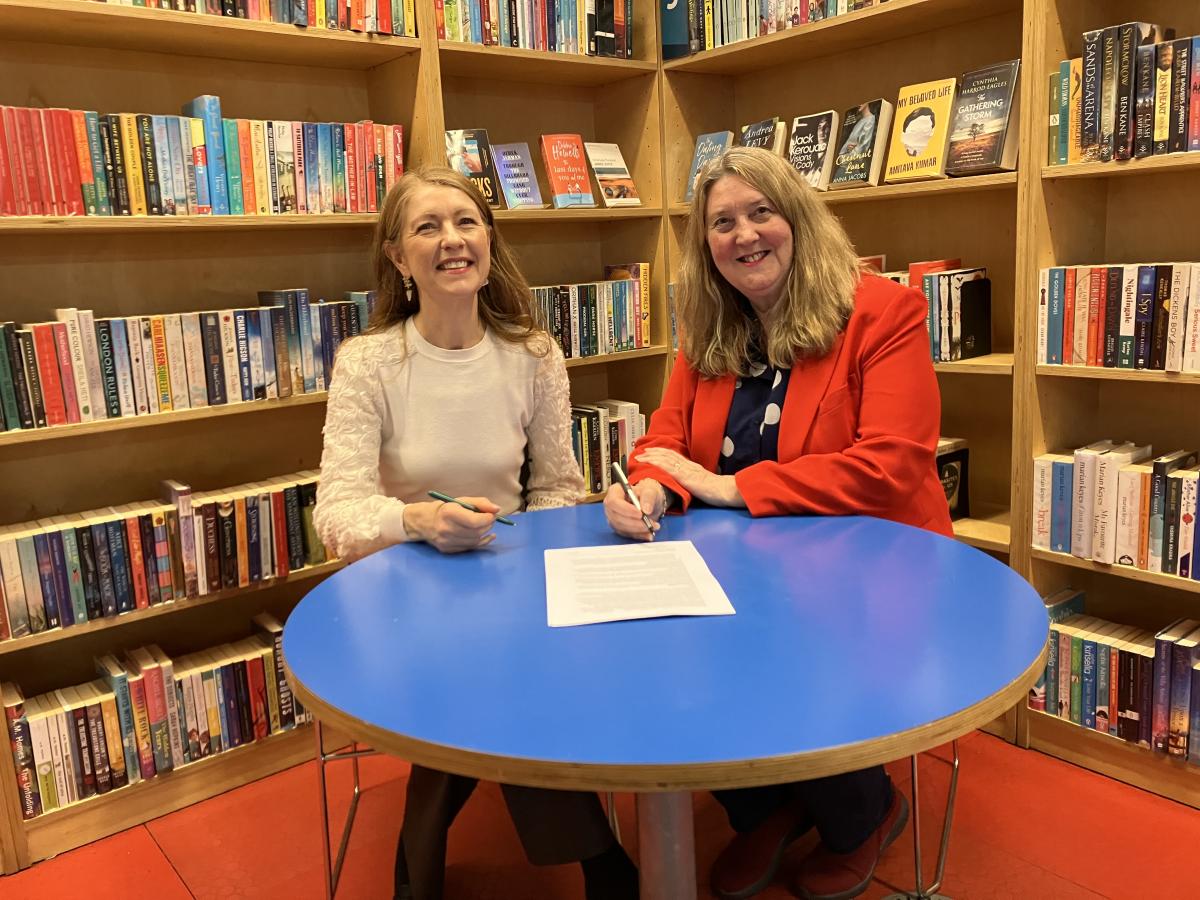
[(804, 386), (452, 353)]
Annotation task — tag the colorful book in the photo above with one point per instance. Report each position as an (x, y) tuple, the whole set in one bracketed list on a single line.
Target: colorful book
[(920, 131), (612, 175), (860, 151), (566, 171), (708, 148), (985, 132), (469, 153)]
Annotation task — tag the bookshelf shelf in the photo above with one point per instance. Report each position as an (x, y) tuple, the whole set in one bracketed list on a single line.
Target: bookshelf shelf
[(1155, 578), (606, 358), (1128, 375), (992, 364), (1139, 766), (574, 216), (18, 645), (35, 435), (840, 34), (987, 530), (52, 225), (88, 820), (1174, 162), (87, 23), (514, 64)]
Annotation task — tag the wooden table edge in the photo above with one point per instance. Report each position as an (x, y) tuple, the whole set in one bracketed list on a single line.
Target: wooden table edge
[(681, 777)]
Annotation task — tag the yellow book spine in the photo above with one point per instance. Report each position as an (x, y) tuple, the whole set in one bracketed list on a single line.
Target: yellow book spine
[(133, 163)]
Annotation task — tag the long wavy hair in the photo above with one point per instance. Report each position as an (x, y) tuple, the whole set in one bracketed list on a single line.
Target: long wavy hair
[(719, 328), (505, 300)]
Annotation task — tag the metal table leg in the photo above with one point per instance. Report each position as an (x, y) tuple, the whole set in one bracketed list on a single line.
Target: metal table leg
[(667, 849), (333, 867), (921, 892)]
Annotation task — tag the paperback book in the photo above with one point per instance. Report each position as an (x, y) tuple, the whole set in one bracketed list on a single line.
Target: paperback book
[(612, 175), (518, 180)]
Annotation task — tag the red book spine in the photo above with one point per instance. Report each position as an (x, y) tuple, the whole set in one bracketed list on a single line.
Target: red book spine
[(34, 161), (16, 162), (360, 166), (70, 197), (1068, 347), (439, 13), (47, 364), (398, 151), (485, 23), (256, 682), (383, 18), (343, 10), (83, 159), (350, 135), (1096, 279), (141, 718), (279, 533), (8, 191), (137, 562), (66, 370), (43, 132)]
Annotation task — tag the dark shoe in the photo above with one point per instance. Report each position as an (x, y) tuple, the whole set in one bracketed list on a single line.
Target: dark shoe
[(610, 875), (401, 890), (825, 875), (750, 861)]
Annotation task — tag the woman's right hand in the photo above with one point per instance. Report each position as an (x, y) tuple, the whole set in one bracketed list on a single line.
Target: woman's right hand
[(449, 527), (625, 518)]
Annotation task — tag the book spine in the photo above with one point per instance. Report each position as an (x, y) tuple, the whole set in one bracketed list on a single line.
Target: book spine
[(21, 745)]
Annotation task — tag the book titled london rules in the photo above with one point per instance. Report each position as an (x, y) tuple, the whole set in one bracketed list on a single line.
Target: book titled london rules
[(984, 133), (861, 145), (811, 147), (518, 179), (920, 130)]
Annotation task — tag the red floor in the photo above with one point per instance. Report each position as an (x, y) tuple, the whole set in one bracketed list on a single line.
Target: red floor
[(1026, 826)]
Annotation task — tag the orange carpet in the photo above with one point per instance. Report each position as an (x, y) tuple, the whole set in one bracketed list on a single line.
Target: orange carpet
[(1026, 826)]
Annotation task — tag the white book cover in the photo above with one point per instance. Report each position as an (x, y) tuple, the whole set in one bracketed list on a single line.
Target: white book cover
[(193, 358), (1043, 323), (14, 587), (266, 538), (266, 334), (1043, 469), (612, 175), (229, 358), (137, 366), (955, 281), (1129, 510), (198, 542), (1079, 342), (79, 365), (1191, 347), (120, 345), (146, 333), (1129, 276), (1083, 497), (176, 362), (91, 355), (65, 760), (43, 756), (1180, 282), (604, 289), (1105, 515), (1187, 522)]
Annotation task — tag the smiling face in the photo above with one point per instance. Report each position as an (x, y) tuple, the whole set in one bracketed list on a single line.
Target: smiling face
[(444, 243), (750, 241)]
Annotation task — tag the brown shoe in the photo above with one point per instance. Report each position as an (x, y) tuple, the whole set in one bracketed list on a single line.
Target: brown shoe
[(750, 861), (825, 875)]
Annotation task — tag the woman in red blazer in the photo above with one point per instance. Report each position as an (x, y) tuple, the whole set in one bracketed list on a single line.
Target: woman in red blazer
[(804, 387)]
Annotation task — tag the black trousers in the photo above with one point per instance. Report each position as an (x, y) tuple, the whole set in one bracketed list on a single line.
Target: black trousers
[(554, 826), (845, 808)]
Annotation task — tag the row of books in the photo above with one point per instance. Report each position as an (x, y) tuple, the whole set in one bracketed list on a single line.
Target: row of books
[(370, 16), (603, 433), (706, 26), (79, 368), (959, 304), (1133, 316), (147, 713), (508, 168), (1112, 503), (583, 27), (598, 317), (1134, 93), (963, 126), (1138, 685), (68, 570), (70, 162)]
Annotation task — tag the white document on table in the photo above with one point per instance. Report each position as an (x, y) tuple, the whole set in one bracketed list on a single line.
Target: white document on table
[(630, 581)]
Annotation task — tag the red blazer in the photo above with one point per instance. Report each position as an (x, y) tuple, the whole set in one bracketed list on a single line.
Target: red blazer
[(858, 430)]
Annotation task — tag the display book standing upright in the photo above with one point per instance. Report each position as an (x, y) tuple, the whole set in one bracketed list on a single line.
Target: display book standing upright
[(221, 264)]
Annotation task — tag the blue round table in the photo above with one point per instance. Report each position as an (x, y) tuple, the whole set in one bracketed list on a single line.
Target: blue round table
[(856, 641)]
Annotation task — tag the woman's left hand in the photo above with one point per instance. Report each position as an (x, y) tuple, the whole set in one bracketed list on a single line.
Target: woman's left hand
[(713, 489)]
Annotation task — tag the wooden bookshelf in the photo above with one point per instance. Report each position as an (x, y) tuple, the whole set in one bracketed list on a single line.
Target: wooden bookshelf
[(574, 216), (991, 364), (1076, 215), (987, 529), (515, 64), (133, 225)]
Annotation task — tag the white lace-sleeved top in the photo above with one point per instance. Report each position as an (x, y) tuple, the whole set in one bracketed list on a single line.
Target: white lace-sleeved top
[(405, 417)]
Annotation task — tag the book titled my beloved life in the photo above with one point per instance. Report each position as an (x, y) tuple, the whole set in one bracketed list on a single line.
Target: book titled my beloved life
[(920, 130), (566, 170)]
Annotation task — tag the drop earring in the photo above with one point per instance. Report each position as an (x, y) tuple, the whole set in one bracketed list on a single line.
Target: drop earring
[(408, 287)]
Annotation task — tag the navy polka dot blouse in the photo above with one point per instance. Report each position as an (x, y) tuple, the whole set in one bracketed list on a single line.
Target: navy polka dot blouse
[(752, 429)]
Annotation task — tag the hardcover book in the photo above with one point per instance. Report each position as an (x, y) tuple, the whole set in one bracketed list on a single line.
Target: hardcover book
[(469, 153), (612, 175), (811, 148), (860, 151), (920, 131), (708, 148), (518, 180), (985, 132), (566, 171)]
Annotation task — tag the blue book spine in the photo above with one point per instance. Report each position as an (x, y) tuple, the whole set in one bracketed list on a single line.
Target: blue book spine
[(254, 343), (104, 570), (253, 538), (45, 568), (673, 23), (119, 557), (62, 578), (1143, 320), (207, 108), (233, 167), (328, 345), (312, 168), (267, 332), (306, 341), (1060, 507), (1178, 731), (325, 165), (243, 353), (1160, 709), (1194, 721), (1054, 317), (120, 352), (166, 166), (231, 709), (120, 688), (338, 133)]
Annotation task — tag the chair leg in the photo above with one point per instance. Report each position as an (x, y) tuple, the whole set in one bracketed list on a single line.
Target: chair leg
[(333, 866), (921, 892)]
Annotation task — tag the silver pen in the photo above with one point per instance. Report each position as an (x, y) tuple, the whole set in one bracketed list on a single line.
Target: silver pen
[(632, 497)]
